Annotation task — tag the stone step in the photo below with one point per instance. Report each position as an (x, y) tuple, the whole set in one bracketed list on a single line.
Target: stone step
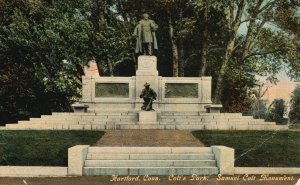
[(88, 116), (186, 123), (203, 117), (215, 123), (49, 122), (169, 156), (190, 127), (207, 120), (130, 122), (108, 123), (93, 171), (83, 122), (200, 114), (150, 150), (149, 163), (179, 113), (142, 127), (85, 119), (33, 125), (91, 113)]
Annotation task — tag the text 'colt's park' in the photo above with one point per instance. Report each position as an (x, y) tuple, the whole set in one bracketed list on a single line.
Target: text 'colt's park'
[(149, 90)]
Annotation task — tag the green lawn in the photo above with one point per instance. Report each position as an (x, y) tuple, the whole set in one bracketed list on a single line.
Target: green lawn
[(41, 148), (257, 148)]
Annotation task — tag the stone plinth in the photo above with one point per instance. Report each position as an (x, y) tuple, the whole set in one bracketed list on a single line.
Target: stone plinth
[(79, 107), (213, 108), (225, 159), (147, 66), (147, 72), (147, 117), (76, 158)]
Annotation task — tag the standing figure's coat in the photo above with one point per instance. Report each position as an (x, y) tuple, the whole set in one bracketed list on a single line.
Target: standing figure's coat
[(145, 34)]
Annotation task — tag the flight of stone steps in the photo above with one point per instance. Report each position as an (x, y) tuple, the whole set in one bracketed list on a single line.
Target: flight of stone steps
[(150, 161), (129, 120), (215, 121), (78, 121)]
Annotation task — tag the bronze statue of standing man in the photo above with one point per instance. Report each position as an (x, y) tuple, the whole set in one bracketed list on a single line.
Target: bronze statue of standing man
[(145, 36)]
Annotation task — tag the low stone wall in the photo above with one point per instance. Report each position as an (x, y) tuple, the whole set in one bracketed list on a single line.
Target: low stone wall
[(266, 170), (33, 171), (225, 159), (76, 158)]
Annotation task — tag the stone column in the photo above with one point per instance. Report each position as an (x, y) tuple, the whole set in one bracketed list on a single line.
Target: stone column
[(76, 157), (225, 159), (206, 90), (87, 89)]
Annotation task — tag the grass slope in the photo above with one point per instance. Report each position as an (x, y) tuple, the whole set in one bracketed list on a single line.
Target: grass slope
[(41, 148), (257, 148)]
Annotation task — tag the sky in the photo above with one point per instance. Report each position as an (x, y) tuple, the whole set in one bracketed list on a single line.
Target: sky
[(283, 89)]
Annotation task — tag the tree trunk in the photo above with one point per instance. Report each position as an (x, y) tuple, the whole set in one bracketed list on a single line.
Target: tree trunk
[(181, 58), (203, 51), (234, 25), (174, 49), (181, 49), (110, 67), (219, 86)]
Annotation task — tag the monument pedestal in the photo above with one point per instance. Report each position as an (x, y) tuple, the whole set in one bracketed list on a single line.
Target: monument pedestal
[(147, 117), (146, 72)]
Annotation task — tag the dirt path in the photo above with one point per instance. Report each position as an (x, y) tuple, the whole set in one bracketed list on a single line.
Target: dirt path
[(172, 138), (163, 180)]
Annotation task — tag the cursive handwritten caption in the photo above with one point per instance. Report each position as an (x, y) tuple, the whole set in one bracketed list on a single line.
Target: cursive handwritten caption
[(199, 178)]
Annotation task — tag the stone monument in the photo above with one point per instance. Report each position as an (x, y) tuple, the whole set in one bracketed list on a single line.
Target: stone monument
[(145, 36), (123, 93)]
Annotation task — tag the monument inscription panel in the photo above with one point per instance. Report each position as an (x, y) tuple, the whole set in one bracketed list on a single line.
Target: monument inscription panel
[(112, 90), (181, 90)]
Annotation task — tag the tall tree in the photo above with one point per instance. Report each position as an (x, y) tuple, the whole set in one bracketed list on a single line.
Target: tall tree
[(258, 43), (295, 106)]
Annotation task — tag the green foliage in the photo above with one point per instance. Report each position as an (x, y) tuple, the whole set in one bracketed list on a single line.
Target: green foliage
[(42, 148), (295, 106), (259, 109), (277, 149), (277, 111)]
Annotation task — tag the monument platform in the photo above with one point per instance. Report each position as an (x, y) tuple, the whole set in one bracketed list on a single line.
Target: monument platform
[(129, 120), (112, 103)]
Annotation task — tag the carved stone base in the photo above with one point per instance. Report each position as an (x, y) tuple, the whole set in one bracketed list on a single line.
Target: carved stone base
[(147, 66), (147, 117), (216, 108)]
